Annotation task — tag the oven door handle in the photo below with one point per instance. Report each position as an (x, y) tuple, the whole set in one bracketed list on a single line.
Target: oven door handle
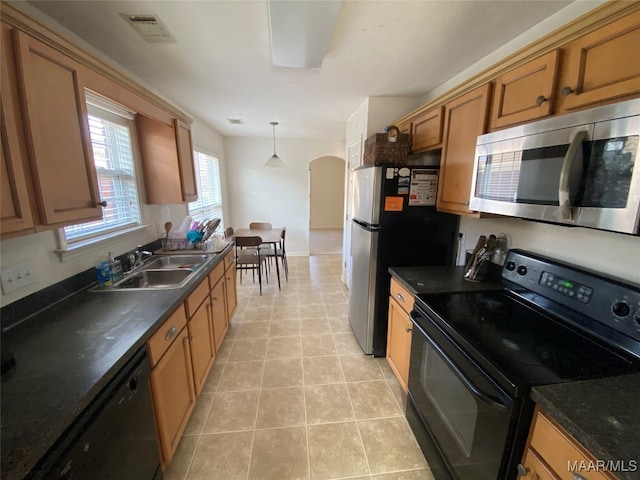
[(485, 397)]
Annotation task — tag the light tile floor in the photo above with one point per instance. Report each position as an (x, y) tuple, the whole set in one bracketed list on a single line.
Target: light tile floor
[(291, 395)]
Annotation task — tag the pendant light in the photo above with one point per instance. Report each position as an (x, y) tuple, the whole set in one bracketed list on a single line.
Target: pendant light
[(275, 160)]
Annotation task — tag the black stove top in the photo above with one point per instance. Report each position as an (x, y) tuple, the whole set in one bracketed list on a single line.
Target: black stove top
[(521, 345), (552, 323)]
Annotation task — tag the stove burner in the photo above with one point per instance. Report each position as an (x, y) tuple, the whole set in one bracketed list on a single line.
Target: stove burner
[(518, 347)]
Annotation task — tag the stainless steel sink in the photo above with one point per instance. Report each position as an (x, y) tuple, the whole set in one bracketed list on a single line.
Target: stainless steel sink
[(175, 262), (154, 279)]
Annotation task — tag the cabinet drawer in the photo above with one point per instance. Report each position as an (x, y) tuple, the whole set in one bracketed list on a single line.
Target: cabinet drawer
[(559, 449), (194, 300), (401, 295), (216, 274), (229, 259), (165, 335)]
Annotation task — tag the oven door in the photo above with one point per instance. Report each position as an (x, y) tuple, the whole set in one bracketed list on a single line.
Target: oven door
[(461, 418)]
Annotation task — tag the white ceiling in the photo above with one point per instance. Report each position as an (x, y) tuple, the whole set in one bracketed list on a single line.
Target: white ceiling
[(221, 68)]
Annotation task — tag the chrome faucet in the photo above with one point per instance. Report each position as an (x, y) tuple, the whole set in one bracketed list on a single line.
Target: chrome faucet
[(136, 258)]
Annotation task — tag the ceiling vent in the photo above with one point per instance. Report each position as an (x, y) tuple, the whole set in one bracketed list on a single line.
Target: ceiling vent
[(235, 121), (150, 27)]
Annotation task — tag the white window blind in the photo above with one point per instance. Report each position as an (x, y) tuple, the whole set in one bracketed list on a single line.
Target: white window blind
[(113, 155), (209, 203)]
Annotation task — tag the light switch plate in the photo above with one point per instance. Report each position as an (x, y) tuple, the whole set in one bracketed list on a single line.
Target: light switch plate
[(17, 276)]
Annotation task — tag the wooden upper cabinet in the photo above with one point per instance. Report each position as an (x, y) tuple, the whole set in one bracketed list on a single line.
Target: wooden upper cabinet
[(526, 92), (465, 119), (426, 130), (159, 161), (57, 134), (602, 65), (15, 209), (185, 157), (167, 161)]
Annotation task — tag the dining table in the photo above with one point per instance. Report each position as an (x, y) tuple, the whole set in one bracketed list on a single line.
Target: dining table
[(271, 236)]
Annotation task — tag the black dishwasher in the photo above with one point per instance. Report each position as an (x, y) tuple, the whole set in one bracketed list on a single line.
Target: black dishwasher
[(114, 438)]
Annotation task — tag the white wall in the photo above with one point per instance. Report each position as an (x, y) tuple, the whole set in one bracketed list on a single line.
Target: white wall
[(606, 252), (326, 177), (276, 195)]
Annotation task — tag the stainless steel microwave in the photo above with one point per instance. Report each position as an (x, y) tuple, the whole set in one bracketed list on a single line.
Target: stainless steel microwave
[(578, 169)]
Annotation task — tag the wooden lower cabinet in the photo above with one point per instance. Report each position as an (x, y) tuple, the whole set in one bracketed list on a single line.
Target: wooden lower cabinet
[(200, 327), (399, 342), (219, 316), (173, 394), (231, 291), (399, 332), (551, 452)]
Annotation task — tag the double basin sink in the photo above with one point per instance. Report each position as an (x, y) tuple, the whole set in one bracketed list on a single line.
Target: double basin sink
[(160, 272)]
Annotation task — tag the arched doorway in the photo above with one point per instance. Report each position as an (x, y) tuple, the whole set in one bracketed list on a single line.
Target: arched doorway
[(326, 205)]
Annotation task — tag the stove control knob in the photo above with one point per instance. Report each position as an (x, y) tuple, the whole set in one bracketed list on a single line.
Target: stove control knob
[(522, 270), (511, 266), (620, 309)]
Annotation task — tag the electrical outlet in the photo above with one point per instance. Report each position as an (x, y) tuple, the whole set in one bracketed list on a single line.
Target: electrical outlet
[(17, 276)]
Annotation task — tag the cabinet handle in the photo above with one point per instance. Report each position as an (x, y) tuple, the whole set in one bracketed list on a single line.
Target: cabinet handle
[(407, 329), (577, 476), (400, 297), (567, 91), (102, 204), (522, 470), (171, 332), (541, 99)]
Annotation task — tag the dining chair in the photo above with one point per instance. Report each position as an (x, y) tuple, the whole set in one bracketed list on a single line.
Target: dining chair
[(249, 256), (260, 226), (280, 252), (228, 232)]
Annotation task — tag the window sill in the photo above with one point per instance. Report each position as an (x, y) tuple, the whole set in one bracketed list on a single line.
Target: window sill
[(83, 247)]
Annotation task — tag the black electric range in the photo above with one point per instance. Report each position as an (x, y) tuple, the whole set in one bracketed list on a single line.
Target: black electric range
[(476, 355)]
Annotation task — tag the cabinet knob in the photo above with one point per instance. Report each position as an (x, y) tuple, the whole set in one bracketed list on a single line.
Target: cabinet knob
[(522, 470), (408, 329), (400, 297), (566, 91), (541, 99), (102, 204), (171, 332), (577, 476)]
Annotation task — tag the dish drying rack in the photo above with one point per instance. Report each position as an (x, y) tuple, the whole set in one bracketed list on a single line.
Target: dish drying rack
[(172, 244)]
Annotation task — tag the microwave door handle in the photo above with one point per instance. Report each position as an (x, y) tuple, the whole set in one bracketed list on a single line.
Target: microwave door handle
[(564, 189)]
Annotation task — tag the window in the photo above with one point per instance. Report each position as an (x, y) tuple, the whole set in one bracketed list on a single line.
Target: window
[(209, 203), (110, 129)]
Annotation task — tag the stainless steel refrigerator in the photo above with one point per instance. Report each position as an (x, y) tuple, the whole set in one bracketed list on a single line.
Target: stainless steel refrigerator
[(394, 223)]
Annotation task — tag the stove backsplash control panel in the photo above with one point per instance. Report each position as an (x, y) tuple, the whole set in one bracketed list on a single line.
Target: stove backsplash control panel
[(601, 298)]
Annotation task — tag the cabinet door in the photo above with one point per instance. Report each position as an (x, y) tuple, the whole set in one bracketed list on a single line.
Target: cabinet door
[(602, 65), (57, 129), (525, 93), (426, 131), (202, 350), (399, 342), (231, 292), (159, 161), (173, 395), (15, 209), (219, 315), (535, 468), (185, 157), (465, 119)]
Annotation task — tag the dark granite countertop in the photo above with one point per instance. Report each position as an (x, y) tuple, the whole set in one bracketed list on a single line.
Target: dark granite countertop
[(438, 279), (66, 354), (602, 415)]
